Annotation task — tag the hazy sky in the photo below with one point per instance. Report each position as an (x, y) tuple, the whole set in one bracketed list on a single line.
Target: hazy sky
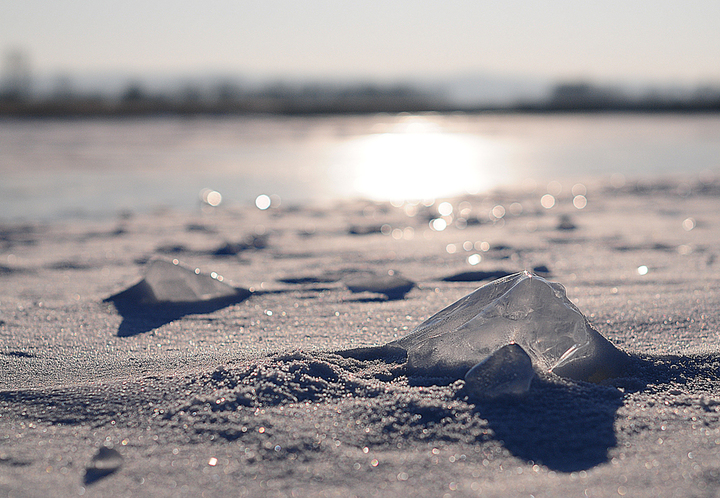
[(608, 40)]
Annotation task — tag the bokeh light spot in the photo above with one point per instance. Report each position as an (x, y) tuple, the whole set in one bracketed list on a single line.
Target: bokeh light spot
[(263, 202), (579, 189), (445, 209), (498, 211), (438, 224), (547, 201), (554, 188), (474, 259), (210, 197), (482, 246), (516, 209)]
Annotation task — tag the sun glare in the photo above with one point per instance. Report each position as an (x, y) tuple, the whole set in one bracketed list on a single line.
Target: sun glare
[(420, 161)]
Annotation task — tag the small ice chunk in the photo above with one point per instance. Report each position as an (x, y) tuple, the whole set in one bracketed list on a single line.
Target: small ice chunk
[(506, 372), (104, 462), (168, 282), (168, 292), (393, 285), (476, 276), (524, 309), (172, 283)]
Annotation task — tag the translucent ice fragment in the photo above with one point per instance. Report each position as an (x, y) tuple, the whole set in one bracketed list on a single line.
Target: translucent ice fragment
[(475, 276), (524, 309), (172, 283), (506, 372), (393, 285), (105, 462)]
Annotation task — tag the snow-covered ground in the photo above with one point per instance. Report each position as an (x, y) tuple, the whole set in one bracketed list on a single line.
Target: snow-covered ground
[(249, 398)]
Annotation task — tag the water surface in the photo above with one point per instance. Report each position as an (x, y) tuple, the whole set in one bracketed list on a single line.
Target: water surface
[(54, 169)]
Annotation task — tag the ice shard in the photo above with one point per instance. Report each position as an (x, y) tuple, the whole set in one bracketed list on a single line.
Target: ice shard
[(168, 282), (105, 462), (523, 309), (171, 282), (506, 372), (393, 285), (168, 292)]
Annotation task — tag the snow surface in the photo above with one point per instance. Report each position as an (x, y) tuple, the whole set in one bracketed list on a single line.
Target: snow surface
[(251, 397)]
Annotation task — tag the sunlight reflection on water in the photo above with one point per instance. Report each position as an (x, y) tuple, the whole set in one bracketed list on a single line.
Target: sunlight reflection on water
[(420, 160)]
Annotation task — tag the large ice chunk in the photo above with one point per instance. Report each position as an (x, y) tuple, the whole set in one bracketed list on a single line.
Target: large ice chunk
[(524, 309)]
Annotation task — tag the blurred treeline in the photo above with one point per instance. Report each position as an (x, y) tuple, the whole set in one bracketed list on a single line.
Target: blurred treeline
[(227, 98)]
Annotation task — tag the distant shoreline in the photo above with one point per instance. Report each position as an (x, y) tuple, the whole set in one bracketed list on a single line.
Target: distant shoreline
[(292, 107)]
